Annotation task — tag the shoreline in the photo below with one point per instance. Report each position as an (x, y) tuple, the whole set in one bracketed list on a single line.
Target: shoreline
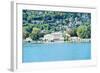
[(71, 41)]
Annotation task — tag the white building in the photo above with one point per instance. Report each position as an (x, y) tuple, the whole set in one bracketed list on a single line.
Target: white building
[(56, 36), (48, 37)]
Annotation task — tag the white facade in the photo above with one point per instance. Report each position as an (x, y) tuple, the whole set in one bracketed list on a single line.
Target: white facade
[(54, 36)]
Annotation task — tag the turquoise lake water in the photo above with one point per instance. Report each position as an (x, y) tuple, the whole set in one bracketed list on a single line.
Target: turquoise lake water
[(55, 52)]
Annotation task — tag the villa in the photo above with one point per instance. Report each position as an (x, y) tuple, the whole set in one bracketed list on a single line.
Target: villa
[(47, 37), (56, 36)]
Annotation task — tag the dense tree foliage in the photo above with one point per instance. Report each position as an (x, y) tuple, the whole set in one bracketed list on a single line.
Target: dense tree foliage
[(83, 31), (38, 23), (35, 34)]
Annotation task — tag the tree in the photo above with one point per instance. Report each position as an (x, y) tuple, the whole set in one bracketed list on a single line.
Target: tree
[(83, 31), (89, 31), (72, 31), (65, 37), (27, 28), (25, 34), (35, 33)]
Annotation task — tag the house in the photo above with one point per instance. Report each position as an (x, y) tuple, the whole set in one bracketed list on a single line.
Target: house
[(47, 37), (56, 36)]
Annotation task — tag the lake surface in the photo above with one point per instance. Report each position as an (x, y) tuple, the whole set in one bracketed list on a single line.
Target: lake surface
[(55, 52)]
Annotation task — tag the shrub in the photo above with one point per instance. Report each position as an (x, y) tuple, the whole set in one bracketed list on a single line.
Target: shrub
[(83, 31), (35, 34)]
